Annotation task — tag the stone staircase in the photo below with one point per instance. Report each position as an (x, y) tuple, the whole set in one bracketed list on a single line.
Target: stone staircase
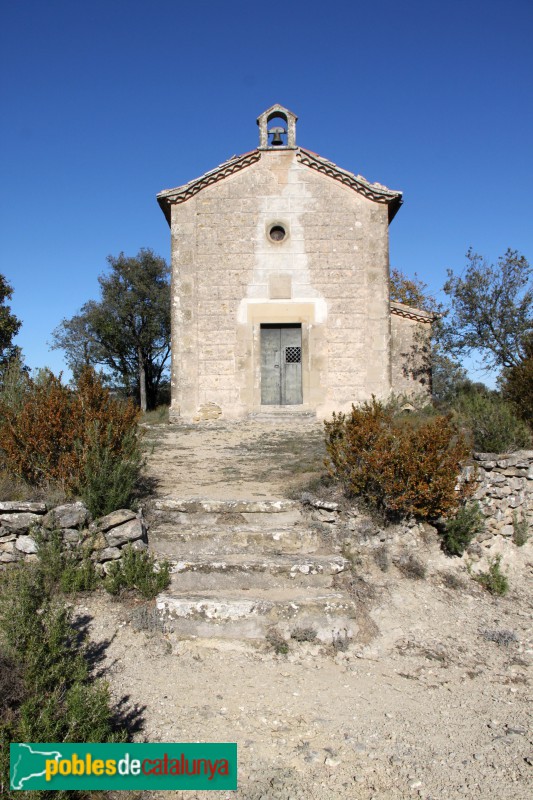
[(240, 567)]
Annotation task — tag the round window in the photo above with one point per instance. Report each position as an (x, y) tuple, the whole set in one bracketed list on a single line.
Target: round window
[(277, 233)]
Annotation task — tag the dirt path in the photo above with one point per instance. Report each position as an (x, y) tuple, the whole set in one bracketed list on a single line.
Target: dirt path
[(234, 460), (431, 701)]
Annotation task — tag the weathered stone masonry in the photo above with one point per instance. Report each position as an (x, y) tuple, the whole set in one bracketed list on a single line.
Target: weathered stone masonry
[(504, 491), (23, 523)]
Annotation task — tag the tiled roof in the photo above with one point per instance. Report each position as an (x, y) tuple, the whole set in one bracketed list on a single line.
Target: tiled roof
[(373, 191), (416, 314)]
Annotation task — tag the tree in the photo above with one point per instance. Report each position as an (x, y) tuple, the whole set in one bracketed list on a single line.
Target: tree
[(127, 332), (491, 309), (9, 325), (412, 292), (517, 384)]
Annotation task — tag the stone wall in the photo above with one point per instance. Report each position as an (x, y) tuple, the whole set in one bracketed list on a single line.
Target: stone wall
[(23, 523), (410, 351), (504, 490)]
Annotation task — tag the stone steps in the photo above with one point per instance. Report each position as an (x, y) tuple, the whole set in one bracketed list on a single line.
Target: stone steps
[(250, 614), (179, 543), (241, 566), (196, 505), (246, 571)]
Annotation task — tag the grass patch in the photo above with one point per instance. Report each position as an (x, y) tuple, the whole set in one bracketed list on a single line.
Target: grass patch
[(339, 641), (158, 416)]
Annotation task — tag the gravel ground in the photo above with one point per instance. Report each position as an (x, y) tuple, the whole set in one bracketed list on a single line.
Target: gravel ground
[(435, 705), (431, 701)]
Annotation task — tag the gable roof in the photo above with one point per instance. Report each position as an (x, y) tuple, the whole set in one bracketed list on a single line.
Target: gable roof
[(372, 191)]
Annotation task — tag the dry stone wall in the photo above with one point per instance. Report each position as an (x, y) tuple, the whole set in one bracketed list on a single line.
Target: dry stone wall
[(22, 524), (504, 491)]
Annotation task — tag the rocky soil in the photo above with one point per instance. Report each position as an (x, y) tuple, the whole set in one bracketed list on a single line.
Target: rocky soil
[(431, 699)]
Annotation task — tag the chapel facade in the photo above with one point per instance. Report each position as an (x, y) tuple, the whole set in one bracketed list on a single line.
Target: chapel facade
[(280, 287)]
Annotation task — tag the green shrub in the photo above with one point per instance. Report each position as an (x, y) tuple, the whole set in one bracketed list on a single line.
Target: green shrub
[(403, 465), (493, 580), (458, 531), (492, 423), (53, 696), (110, 475), (520, 529), (138, 570), (69, 571), (79, 577)]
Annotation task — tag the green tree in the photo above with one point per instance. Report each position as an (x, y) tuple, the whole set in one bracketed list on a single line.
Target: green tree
[(9, 325), (127, 332), (517, 383), (491, 309)]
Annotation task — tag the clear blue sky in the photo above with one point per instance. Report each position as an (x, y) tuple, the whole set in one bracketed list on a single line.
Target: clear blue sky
[(105, 103)]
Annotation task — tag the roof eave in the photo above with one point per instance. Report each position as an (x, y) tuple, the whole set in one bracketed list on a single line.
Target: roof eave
[(410, 312), (372, 191)]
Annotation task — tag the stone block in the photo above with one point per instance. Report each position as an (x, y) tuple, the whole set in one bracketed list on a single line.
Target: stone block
[(109, 554), (499, 491), (513, 472), (115, 518), (69, 515), (515, 500), (71, 535), (26, 544), (19, 506), (20, 522), (127, 532)]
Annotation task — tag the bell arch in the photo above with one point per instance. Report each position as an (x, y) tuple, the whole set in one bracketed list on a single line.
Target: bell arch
[(278, 136)]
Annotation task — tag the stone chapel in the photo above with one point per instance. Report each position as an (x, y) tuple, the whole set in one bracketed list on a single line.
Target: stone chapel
[(280, 287)]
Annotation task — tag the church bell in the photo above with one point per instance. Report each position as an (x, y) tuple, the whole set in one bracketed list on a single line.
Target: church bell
[(276, 134)]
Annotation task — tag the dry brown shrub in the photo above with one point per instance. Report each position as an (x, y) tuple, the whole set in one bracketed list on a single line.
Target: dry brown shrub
[(47, 438), (402, 467)]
